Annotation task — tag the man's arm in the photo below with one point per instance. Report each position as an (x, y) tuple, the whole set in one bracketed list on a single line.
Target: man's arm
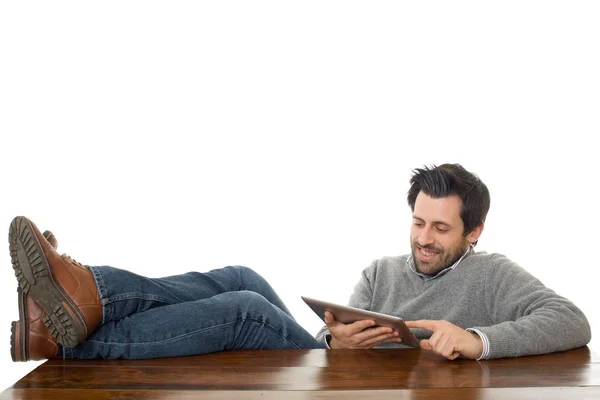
[(529, 318), (449, 340)]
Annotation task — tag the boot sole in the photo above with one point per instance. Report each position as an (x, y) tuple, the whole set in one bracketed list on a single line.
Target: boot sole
[(64, 320), (19, 340)]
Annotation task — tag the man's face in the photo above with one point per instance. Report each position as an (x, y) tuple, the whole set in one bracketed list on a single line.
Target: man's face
[(436, 235)]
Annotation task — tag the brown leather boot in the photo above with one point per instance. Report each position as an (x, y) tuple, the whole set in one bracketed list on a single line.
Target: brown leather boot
[(49, 236), (63, 288), (30, 338)]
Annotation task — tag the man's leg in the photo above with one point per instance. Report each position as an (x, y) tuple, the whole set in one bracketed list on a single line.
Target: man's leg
[(72, 300), (124, 293), (240, 320)]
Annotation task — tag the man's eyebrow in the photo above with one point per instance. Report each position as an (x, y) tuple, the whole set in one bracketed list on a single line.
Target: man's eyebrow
[(434, 222)]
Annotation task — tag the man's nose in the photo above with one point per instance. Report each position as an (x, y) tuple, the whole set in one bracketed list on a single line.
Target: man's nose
[(425, 238)]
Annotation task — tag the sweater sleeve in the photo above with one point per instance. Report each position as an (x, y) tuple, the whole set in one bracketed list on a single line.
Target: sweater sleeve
[(529, 318), (361, 298)]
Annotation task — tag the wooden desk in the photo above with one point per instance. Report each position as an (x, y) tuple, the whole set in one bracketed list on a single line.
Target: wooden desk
[(302, 374)]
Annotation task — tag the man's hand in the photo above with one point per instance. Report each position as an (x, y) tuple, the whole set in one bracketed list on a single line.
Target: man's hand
[(359, 335), (449, 340)]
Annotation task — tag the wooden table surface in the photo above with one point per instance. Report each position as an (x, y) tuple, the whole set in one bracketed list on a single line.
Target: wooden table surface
[(302, 374)]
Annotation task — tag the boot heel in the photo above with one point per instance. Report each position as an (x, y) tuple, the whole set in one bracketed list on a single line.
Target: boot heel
[(18, 346)]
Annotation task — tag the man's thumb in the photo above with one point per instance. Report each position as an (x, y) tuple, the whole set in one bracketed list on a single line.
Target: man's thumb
[(425, 344)]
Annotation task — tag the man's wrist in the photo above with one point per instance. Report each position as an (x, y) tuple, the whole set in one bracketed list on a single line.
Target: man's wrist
[(479, 349), (485, 343), (331, 342)]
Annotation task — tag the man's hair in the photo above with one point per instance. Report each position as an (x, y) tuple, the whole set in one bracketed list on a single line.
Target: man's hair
[(452, 179)]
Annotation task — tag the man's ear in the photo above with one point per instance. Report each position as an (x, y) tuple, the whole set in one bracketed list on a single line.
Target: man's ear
[(473, 236)]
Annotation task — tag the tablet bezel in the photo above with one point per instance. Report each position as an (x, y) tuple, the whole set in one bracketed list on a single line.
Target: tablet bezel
[(349, 315)]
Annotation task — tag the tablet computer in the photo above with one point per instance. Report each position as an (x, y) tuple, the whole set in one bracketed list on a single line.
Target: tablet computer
[(349, 315)]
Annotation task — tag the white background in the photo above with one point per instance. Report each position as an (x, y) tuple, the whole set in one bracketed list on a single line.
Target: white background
[(163, 137)]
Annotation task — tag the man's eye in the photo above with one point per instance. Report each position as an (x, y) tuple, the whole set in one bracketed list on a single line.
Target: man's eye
[(419, 224), (442, 230)]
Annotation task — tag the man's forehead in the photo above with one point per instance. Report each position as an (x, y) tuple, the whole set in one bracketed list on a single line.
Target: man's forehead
[(443, 209)]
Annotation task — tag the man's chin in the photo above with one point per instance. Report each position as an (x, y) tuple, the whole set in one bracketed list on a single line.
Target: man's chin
[(427, 269)]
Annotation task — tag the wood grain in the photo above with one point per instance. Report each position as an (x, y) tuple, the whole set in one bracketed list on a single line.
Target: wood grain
[(300, 374)]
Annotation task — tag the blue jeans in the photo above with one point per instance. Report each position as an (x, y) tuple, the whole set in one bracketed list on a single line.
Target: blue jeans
[(232, 308)]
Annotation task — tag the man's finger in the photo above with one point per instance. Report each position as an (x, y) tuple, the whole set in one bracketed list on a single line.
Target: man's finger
[(428, 324), (371, 333), (367, 344), (350, 329), (444, 345), (361, 325), (331, 322), (329, 318), (425, 344), (434, 340)]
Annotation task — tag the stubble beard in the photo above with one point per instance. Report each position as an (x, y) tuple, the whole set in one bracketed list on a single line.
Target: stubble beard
[(446, 258)]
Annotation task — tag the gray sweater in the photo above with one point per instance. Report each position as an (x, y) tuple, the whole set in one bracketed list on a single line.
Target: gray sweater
[(519, 315)]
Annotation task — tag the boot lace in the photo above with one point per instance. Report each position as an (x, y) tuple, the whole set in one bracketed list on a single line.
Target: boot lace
[(72, 260)]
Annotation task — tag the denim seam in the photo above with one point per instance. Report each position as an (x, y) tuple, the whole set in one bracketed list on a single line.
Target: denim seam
[(272, 329), (101, 286), (201, 330), (166, 289), (137, 295), (164, 340)]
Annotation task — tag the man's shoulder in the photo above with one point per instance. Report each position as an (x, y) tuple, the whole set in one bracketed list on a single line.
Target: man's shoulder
[(387, 267), (484, 259), (391, 261), (387, 263), (484, 255)]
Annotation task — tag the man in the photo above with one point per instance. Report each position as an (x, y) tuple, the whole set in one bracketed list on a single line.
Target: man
[(461, 303)]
